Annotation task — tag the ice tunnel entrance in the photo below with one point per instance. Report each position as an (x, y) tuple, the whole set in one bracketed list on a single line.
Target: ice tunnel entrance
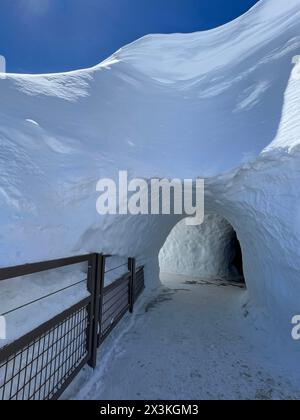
[(209, 251)]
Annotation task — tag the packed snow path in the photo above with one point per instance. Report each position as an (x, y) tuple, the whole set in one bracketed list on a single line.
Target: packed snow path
[(191, 342)]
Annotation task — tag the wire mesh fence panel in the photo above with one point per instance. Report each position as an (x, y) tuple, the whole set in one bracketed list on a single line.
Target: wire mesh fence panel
[(115, 304), (41, 365)]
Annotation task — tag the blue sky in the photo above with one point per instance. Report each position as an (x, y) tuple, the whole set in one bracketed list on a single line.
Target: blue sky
[(41, 36)]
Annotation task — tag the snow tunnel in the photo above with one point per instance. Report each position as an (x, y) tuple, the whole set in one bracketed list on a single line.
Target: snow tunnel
[(209, 251), (184, 110)]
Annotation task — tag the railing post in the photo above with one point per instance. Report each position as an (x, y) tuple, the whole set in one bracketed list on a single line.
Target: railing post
[(101, 271), (92, 275), (96, 289), (132, 269)]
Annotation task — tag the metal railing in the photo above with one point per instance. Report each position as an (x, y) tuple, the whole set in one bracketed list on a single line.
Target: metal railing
[(41, 364)]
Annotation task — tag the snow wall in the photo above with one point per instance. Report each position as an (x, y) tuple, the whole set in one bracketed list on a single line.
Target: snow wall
[(222, 104)]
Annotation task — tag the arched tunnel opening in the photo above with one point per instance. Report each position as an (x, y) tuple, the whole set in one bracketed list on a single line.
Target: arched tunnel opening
[(209, 251)]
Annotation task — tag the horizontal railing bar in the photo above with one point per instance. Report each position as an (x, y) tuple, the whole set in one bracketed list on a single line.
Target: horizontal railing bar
[(44, 297), (116, 268), (116, 283), (27, 269)]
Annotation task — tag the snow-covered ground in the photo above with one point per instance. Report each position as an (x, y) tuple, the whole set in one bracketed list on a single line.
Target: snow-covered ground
[(194, 340)]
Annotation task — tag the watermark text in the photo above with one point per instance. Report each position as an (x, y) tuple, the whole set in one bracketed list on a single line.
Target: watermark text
[(296, 328), (156, 196)]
